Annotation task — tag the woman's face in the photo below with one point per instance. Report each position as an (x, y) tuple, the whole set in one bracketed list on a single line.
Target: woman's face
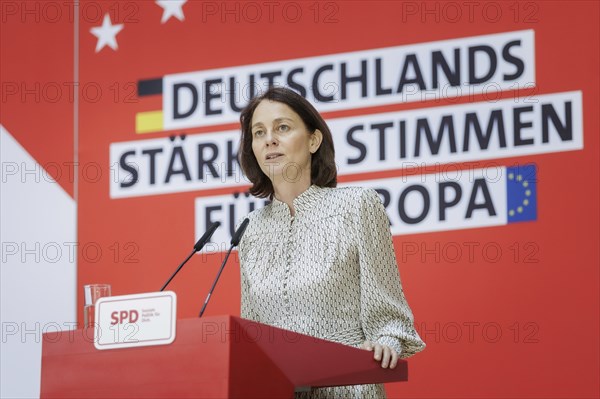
[(281, 143)]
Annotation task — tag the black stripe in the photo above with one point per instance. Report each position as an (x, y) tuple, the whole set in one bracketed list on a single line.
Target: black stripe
[(149, 87)]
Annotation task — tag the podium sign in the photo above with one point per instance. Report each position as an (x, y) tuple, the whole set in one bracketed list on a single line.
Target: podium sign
[(135, 320)]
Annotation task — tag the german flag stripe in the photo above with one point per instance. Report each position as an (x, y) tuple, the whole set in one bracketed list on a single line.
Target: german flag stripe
[(148, 122), (149, 87)]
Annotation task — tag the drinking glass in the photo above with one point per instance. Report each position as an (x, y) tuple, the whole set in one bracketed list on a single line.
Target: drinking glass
[(91, 294)]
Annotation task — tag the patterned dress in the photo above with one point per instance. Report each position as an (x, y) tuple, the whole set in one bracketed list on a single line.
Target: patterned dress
[(329, 272)]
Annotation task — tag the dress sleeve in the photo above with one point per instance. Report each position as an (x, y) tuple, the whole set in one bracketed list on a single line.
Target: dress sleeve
[(386, 317)]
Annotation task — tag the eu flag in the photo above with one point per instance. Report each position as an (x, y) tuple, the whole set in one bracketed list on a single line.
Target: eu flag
[(521, 192)]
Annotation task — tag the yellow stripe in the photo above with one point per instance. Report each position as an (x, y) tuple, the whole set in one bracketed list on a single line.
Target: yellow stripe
[(148, 122)]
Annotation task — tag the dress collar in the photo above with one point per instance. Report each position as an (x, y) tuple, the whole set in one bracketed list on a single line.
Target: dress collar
[(304, 201)]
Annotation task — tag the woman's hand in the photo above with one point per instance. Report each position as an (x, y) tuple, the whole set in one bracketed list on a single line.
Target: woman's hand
[(387, 355)]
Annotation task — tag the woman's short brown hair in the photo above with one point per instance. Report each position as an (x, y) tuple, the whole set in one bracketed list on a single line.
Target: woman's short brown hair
[(323, 172)]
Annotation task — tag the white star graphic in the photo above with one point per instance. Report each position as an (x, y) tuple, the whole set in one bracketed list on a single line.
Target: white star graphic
[(171, 8), (106, 34)]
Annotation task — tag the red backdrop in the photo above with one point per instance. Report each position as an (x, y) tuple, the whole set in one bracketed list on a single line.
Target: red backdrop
[(521, 324)]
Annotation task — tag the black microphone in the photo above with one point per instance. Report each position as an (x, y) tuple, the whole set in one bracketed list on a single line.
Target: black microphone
[(237, 236), (235, 240), (199, 245)]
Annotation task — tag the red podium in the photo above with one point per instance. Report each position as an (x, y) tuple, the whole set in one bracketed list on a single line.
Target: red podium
[(214, 357)]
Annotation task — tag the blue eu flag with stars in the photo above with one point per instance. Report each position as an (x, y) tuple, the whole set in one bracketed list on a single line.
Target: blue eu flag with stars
[(521, 192)]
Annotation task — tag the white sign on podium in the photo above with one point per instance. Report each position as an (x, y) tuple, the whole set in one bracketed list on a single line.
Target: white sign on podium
[(135, 320)]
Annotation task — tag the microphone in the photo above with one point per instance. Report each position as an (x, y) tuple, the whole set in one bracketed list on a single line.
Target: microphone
[(237, 236), (235, 240), (197, 247)]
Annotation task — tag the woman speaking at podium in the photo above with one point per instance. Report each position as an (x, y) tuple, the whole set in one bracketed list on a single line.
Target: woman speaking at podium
[(317, 260)]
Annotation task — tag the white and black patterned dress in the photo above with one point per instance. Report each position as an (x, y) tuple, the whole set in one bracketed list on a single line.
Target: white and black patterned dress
[(329, 272)]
